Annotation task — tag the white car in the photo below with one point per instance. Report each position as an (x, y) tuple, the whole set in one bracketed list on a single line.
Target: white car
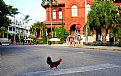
[(4, 41)]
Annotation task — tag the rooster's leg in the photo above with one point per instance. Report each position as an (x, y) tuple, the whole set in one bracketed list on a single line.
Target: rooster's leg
[(56, 67), (50, 67)]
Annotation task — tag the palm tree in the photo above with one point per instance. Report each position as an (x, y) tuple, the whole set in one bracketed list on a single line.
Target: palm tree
[(14, 12), (40, 28), (26, 19), (2, 31), (101, 16), (33, 30)]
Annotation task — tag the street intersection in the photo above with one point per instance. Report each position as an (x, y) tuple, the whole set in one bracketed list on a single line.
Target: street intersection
[(30, 60)]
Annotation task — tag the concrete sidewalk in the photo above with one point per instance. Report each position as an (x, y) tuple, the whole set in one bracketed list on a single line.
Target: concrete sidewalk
[(103, 47), (116, 48)]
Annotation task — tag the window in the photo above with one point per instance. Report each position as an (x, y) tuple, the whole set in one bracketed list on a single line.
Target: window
[(74, 11), (87, 9), (13, 28), (10, 28), (54, 14), (60, 13)]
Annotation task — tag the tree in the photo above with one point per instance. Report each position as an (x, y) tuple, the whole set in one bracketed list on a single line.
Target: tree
[(62, 31), (5, 11), (2, 31), (102, 16), (115, 33), (58, 33), (41, 28), (14, 12), (26, 19), (33, 30), (44, 32)]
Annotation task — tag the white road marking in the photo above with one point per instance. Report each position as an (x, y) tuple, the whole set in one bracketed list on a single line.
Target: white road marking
[(81, 52), (70, 70)]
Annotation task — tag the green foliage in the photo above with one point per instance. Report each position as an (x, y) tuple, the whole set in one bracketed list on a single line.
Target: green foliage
[(31, 36), (102, 15), (22, 39), (26, 19), (44, 37), (58, 32), (6, 10), (42, 27), (33, 29), (115, 32), (39, 41), (61, 32), (2, 31)]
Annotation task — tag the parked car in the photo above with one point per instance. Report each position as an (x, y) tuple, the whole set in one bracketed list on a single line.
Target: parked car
[(4, 41)]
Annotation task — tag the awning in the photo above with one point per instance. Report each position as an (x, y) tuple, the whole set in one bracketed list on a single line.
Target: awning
[(54, 39)]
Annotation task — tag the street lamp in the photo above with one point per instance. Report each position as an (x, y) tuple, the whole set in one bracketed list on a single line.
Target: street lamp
[(86, 37)]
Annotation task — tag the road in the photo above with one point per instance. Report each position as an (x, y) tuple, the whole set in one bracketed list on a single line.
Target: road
[(30, 60)]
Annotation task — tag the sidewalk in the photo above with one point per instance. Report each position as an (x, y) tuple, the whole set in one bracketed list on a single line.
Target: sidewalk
[(115, 48), (102, 47)]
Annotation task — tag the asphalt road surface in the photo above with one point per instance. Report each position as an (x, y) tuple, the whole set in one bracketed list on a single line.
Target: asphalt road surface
[(30, 60)]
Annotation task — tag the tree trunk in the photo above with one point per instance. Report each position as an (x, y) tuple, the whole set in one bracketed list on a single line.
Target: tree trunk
[(103, 31), (114, 40)]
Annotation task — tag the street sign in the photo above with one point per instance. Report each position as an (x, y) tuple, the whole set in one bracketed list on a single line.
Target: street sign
[(78, 26)]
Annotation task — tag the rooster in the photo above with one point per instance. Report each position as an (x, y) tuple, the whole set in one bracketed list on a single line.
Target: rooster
[(53, 64)]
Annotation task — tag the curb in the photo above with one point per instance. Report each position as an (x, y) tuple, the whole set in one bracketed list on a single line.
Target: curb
[(101, 48)]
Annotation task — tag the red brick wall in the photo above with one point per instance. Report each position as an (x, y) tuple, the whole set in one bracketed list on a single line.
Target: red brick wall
[(69, 20), (67, 15), (56, 8)]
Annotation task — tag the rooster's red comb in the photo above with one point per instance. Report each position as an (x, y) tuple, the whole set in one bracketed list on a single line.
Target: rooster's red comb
[(60, 59)]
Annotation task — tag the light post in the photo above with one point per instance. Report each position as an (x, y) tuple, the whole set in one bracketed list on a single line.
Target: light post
[(51, 21), (86, 37)]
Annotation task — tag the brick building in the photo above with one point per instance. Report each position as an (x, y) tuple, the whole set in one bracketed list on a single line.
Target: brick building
[(73, 12)]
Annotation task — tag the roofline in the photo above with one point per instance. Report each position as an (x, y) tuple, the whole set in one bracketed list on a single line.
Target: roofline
[(47, 5)]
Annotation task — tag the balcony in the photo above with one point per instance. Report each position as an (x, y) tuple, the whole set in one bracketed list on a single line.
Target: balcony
[(46, 3), (54, 23)]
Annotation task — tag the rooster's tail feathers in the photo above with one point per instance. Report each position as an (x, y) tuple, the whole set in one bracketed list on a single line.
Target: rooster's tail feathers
[(49, 61)]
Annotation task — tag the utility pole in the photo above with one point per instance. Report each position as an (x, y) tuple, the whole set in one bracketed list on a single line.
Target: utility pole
[(51, 20), (86, 37)]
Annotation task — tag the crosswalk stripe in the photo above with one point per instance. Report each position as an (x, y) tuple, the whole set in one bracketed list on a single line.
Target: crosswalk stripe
[(70, 70)]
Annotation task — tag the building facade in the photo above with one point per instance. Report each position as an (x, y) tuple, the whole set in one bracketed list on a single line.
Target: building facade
[(17, 30), (74, 13)]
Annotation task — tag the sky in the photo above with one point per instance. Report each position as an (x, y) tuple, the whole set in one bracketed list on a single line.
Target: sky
[(32, 8)]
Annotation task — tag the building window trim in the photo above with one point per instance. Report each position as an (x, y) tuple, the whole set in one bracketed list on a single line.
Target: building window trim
[(60, 14), (54, 14), (74, 9), (87, 9)]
